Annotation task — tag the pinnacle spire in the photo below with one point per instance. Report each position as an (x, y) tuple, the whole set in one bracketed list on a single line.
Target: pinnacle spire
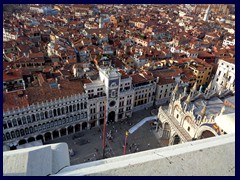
[(203, 111)]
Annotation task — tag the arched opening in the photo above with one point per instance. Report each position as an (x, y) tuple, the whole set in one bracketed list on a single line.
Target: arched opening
[(26, 131), (46, 114), (111, 117), (101, 121), (13, 147), (17, 133), (176, 139), (206, 134), (92, 124), (31, 139), (13, 134), (70, 129), (22, 132), (48, 136), (31, 130), (19, 121), (8, 136), (84, 125), (63, 112), (54, 112), (39, 137), (77, 127), (22, 141), (33, 118), (63, 132), (55, 134), (59, 111)]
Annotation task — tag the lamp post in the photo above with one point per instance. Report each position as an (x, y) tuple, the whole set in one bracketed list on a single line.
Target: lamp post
[(125, 143)]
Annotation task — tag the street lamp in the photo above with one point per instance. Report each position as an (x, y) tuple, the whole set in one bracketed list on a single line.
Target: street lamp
[(125, 143)]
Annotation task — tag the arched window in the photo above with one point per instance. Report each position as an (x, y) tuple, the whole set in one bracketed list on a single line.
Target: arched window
[(26, 131), (28, 119), (8, 136), (59, 122), (17, 133), (14, 122), (13, 134), (22, 132), (81, 105), (48, 125), (35, 128), (64, 121), (31, 129), (52, 123), (59, 112), (46, 114), (4, 125), (37, 117), (33, 118), (9, 124), (39, 127), (66, 109), (55, 123), (78, 107), (63, 112), (19, 121), (70, 108), (42, 115), (85, 105), (43, 126), (50, 113), (74, 107), (54, 112)]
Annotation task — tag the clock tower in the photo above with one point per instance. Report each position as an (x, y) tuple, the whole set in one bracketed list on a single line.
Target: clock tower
[(111, 77)]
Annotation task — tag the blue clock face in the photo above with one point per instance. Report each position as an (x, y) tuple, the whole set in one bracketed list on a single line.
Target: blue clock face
[(114, 82)]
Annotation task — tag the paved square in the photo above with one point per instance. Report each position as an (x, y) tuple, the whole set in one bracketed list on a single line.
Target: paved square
[(88, 146)]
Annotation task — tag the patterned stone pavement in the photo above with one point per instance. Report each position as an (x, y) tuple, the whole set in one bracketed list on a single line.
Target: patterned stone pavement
[(88, 147)]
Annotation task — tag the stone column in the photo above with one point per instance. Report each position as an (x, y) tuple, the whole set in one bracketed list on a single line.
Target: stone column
[(88, 125), (73, 129), (51, 135), (80, 126)]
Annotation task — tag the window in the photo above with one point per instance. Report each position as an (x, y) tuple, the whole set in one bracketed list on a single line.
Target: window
[(188, 128)]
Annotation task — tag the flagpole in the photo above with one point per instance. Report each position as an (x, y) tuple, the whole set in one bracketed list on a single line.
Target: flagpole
[(104, 130)]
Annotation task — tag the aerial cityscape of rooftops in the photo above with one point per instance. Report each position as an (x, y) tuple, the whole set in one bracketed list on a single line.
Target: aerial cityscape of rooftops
[(113, 79)]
